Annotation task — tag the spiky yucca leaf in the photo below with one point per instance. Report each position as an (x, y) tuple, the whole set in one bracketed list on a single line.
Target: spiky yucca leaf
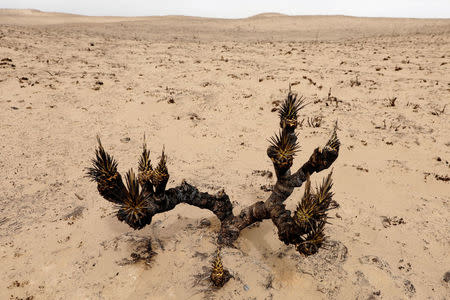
[(333, 143), (134, 209), (324, 195), (313, 240), (104, 165), (145, 169), (282, 149), (160, 174), (313, 207), (218, 273), (104, 172), (144, 161), (289, 110), (305, 212)]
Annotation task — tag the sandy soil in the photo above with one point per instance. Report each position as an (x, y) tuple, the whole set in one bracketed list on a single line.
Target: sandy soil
[(205, 89)]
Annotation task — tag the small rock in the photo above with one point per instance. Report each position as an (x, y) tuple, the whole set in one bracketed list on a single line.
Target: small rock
[(446, 277), (125, 140), (391, 221), (409, 287), (194, 116), (205, 222), (263, 173), (359, 168), (201, 255), (376, 261), (75, 214), (246, 288)]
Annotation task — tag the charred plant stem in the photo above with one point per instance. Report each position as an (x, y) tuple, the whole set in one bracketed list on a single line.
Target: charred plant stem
[(137, 207)]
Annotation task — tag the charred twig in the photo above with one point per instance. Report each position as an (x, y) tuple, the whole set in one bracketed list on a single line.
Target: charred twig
[(309, 80), (332, 98), (355, 82), (391, 101), (438, 112), (315, 122)]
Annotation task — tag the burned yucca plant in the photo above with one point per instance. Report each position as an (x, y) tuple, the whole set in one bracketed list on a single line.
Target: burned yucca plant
[(289, 109), (104, 172), (219, 276), (312, 213), (314, 206), (146, 195), (306, 209), (145, 170), (282, 149), (313, 240), (333, 143), (133, 210), (160, 175)]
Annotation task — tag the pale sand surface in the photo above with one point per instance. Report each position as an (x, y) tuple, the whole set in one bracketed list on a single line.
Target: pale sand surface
[(223, 76)]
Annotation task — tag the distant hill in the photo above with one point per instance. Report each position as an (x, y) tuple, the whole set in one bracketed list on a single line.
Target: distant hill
[(268, 15)]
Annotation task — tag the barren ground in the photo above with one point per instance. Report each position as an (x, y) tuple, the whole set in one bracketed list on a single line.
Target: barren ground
[(205, 89)]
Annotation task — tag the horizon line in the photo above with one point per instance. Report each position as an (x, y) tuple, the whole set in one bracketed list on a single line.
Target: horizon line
[(224, 18)]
